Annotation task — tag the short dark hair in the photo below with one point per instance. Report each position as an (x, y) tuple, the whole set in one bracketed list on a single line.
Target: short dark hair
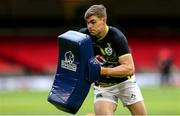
[(97, 10)]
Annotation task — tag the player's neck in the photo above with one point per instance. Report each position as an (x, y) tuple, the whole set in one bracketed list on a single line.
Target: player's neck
[(104, 33)]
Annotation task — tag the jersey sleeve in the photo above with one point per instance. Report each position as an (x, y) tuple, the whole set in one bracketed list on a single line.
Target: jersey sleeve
[(120, 44)]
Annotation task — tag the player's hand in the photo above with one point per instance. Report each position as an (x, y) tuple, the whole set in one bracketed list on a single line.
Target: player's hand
[(100, 59), (94, 69)]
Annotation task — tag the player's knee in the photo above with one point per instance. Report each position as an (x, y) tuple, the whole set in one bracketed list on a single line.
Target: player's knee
[(138, 109), (104, 110)]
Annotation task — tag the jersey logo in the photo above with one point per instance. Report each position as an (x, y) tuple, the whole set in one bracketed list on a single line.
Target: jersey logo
[(108, 51)]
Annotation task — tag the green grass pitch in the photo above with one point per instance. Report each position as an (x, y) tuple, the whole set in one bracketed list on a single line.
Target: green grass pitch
[(159, 101)]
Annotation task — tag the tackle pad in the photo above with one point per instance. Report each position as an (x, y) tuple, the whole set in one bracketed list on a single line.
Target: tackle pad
[(71, 84)]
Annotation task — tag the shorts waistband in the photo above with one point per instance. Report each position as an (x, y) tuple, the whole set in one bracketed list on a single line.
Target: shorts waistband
[(111, 84)]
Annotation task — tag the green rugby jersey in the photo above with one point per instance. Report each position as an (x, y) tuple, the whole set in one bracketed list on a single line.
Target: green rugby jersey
[(111, 47)]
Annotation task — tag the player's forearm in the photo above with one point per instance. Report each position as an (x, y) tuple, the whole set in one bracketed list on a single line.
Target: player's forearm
[(118, 71)]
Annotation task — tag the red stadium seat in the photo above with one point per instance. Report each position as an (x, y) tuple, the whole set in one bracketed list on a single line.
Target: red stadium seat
[(40, 54)]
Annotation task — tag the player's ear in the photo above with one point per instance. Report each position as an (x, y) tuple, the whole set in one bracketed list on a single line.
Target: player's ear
[(104, 19)]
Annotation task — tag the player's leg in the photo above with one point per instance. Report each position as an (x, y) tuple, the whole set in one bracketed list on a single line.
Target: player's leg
[(132, 98), (104, 107), (105, 102), (137, 108)]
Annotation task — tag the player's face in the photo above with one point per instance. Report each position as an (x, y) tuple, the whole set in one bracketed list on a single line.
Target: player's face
[(96, 25)]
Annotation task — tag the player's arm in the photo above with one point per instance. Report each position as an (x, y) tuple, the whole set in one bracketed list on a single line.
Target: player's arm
[(126, 67)]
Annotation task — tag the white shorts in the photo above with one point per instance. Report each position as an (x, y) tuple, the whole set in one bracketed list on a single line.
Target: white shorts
[(128, 92)]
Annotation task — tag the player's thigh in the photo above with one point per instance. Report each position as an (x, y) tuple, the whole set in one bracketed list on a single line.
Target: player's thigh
[(129, 93), (137, 108), (105, 102), (103, 107)]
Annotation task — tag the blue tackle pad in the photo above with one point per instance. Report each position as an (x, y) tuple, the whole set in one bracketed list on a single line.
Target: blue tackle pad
[(71, 85)]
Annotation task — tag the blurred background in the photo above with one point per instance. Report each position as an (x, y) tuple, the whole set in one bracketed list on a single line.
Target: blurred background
[(29, 49)]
